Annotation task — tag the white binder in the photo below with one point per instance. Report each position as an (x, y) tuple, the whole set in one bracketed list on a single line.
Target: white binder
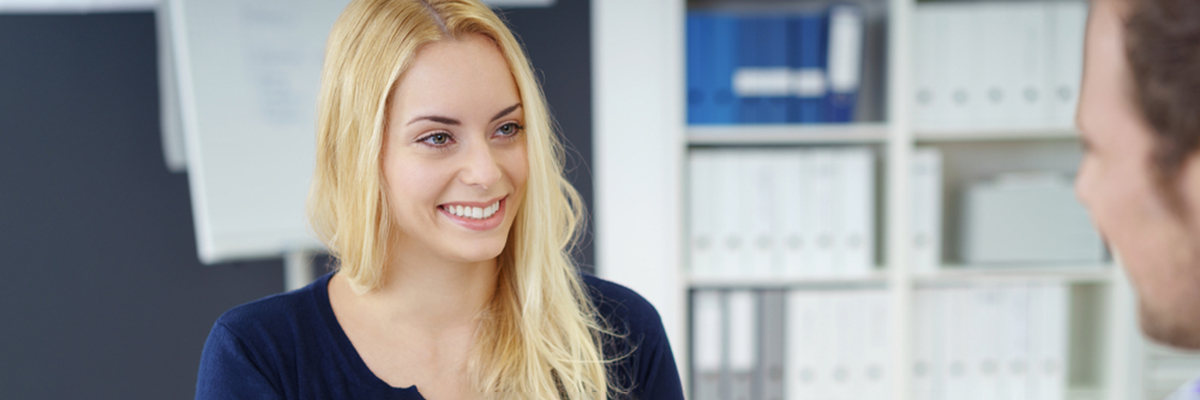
[(793, 242), (992, 58), (856, 227), (742, 326), (927, 209), (846, 339), (984, 341), (729, 250), (707, 345), (804, 372), (701, 213), (873, 322), (929, 103), (1049, 335), (744, 185), (1030, 41), (957, 345), (816, 257), (760, 212), (925, 340), (1014, 343), (826, 199), (957, 44), (1067, 24)]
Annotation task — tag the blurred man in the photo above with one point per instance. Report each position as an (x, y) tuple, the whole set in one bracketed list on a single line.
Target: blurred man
[(1139, 112)]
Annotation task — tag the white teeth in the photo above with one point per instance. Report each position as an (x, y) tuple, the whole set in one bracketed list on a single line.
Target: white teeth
[(474, 212)]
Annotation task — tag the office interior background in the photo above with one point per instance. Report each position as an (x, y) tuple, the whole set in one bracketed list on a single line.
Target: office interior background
[(105, 295), (865, 199)]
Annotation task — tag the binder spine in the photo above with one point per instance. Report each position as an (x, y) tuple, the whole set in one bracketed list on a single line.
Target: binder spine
[(708, 341), (723, 61), (806, 44), (846, 30), (701, 198), (742, 325), (772, 353), (699, 95)]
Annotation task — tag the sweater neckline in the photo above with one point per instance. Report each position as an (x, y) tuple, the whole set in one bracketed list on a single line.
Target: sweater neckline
[(350, 356)]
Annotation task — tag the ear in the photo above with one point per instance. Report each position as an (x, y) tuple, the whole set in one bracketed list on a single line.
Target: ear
[(1187, 187)]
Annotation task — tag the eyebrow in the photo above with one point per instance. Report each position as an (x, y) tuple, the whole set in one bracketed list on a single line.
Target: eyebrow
[(455, 122)]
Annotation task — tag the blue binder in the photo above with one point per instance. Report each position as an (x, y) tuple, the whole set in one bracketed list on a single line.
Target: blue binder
[(699, 92), (806, 57), (845, 25), (774, 55), (761, 47), (721, 58)]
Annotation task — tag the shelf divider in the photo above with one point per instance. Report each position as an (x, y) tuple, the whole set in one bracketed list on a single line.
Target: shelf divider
[(876, 279), (970, 135), (717, 135)]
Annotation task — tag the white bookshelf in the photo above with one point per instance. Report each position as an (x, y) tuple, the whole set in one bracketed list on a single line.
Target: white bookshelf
[(641, 141)]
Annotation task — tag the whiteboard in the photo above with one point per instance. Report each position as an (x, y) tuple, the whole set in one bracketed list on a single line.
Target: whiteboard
[(69, 6), (248, 75)]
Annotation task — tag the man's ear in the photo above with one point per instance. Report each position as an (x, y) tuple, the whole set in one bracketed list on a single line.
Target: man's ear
[(1186, 189)]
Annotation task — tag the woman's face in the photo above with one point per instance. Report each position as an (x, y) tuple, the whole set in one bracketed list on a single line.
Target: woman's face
[(1117, 183), (454, 152)]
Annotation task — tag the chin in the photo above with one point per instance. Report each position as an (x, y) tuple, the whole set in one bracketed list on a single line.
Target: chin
[(477, 252), (1169, 327)]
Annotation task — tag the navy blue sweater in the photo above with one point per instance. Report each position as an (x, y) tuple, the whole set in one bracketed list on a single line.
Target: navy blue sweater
[(290, 346)]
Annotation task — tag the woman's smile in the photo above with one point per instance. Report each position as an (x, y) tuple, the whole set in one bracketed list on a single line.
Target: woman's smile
[(479, 216)]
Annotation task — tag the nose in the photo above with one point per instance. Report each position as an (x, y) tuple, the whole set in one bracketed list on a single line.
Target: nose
[(480, 167)]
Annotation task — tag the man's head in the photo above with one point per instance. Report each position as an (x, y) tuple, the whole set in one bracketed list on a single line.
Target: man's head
[(1139, 113)]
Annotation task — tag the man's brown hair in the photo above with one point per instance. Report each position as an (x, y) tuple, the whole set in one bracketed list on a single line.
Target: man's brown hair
[(1163, 45)]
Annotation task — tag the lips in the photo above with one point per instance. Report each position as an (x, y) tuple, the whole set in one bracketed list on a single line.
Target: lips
[(478, 216)]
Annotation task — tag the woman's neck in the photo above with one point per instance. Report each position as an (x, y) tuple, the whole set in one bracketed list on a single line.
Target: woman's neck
[(432, 294)]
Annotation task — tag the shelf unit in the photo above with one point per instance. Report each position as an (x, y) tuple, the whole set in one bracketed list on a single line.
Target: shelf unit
[(641, 140)]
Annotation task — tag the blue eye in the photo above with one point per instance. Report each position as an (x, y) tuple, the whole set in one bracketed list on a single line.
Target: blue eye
[(509, 129), (437, 139)]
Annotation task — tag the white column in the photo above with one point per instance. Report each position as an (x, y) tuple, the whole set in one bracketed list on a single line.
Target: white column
[(638, 147)]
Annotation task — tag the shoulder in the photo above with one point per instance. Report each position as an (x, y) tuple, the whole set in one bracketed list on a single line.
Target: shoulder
[(620, 305), (272, 328), (643, 364), (269, 316), (253, 348)]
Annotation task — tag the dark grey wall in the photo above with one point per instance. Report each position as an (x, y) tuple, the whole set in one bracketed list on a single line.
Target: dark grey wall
[(102, 296), (559, 45)]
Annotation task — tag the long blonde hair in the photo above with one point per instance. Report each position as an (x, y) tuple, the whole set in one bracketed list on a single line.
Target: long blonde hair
[(541, 336)]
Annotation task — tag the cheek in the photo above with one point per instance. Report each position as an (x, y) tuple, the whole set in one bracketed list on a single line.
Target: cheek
[(516, 166), (412, 184)]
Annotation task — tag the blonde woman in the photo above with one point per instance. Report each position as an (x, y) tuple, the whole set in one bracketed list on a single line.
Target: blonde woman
[(439, 188)]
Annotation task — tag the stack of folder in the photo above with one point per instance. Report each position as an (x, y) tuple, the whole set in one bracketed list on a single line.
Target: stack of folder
[(999, 342), (987, 342), (997, 65), (800, 213), (745, 68), (767, 213)]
